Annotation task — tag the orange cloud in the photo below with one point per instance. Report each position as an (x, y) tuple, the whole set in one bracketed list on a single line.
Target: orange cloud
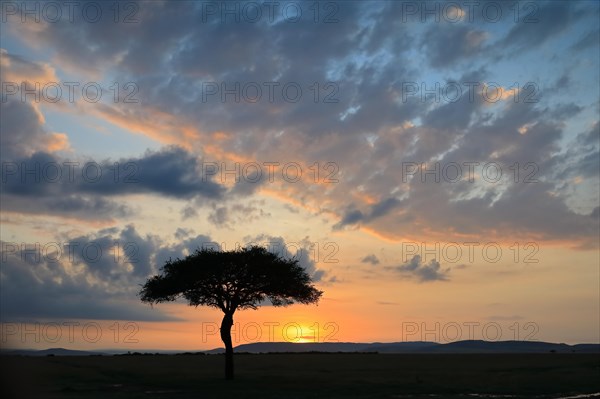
[(56, 142), (150, 121), (18, 70)]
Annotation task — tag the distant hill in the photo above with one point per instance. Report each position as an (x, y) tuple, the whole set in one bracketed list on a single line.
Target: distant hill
[(400, 347), (503, 347), (586, 348), (49, 352), (471, 346)]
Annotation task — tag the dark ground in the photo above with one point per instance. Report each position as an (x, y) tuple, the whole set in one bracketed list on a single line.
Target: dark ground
[(549, 375)]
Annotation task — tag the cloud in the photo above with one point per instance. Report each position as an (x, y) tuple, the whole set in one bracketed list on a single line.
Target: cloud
[(16, 69), (302, 250), (547, 20), (92, 276), (376, 210), (456, 115), (479, 208), (349, 218), (449, 44), (23, 128), (370, 52), (591, 39), (229, 215), (88, 188), (371, 258), (423, 272), (188, 212), (172, 172), (23, 131), (82, 207)]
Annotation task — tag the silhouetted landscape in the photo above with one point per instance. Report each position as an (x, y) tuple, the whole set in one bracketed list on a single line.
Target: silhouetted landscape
[(300, 375), (336, 370)]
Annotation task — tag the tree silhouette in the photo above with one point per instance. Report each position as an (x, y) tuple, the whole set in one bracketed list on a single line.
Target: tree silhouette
[(231, 280)]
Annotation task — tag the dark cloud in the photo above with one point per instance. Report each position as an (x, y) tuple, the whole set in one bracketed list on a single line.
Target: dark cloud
[(188, 212), (458, 103), (94, 276), (229, 215), (423, 272), (44, 183), (387, 303), (582, 157), (566, 111), (83, 207), (183, 248), (592, 137), (549, 19), (591, 39), (448, 44), (172, 172), (350, 218), (371, 258), (291, 208), (383, 207), (22, 130), (376, 210), (302, 250), (219, 216)]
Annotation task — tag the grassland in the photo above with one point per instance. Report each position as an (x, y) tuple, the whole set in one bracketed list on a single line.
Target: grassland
[(301, 376)]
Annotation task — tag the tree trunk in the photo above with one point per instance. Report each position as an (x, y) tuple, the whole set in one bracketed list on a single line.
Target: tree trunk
[(226, 337)]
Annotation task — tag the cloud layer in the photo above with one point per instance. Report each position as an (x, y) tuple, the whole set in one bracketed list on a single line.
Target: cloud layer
[(371, 116)]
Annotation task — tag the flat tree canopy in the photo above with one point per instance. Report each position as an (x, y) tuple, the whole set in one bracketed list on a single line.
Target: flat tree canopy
[(231, 280), (239, 279)]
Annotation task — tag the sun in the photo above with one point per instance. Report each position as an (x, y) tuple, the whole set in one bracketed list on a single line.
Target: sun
[(299, 333), (304, 340)]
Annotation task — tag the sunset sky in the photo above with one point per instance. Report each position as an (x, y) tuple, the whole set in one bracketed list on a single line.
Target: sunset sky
[(434, 166)]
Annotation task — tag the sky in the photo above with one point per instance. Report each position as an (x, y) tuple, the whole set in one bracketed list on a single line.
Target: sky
[(434, 167)]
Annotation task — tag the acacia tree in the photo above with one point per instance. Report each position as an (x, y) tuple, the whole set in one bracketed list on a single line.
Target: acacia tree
[(231, 280)]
